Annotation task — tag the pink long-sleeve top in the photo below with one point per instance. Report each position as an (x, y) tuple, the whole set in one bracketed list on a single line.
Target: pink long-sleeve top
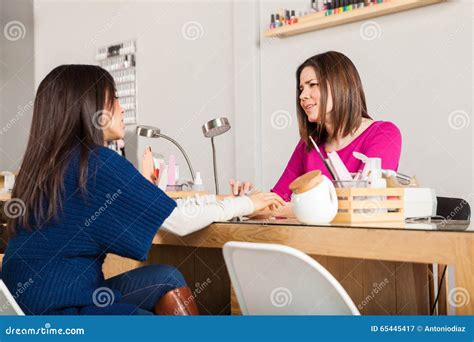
[(381, 139)]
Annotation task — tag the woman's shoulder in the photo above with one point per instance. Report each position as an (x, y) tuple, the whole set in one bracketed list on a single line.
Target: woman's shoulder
[(301, 144), (104, 151), (96, 155), (105, 155), (383, 127), (301, 147), (107, 161)]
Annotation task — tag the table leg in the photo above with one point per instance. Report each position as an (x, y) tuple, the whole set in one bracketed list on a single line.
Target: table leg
[(462, 295)]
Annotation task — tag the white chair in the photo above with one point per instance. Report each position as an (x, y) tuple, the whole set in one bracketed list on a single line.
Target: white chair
[(8, 305), (271, 279)]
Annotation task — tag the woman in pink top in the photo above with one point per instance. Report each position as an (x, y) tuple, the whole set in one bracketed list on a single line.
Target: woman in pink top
[(331, 108)]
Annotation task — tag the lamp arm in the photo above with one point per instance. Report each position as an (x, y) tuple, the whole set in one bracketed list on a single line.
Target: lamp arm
[(160, 135), (216, 179)]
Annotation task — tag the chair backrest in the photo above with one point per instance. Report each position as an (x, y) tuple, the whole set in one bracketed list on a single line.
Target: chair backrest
[(453, 208), (8, 305), (271, 279)]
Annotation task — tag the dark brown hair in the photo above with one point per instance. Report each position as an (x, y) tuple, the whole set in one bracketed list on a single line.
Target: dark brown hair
[(336, 70), (66, 111)]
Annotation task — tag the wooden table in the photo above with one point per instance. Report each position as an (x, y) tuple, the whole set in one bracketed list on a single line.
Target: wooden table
[(341, 249), (356, 255)]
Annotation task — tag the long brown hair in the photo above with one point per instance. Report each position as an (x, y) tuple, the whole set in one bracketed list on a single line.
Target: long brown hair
[(66, 112), (349, 107)]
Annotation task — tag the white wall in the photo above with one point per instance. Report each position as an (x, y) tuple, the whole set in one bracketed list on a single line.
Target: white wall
[(247, 104), (16, 80), (416, 73), (181, 83)]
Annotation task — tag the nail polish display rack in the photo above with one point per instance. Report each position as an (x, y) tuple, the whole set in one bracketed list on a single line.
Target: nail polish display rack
[(320, 20), (119, 59)]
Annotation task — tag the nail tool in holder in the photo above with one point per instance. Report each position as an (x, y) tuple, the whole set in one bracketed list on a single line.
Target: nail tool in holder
[(325, 162), (402, 178)]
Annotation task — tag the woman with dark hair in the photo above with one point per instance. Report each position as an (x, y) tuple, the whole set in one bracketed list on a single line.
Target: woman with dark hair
[(331, 108), (82, 200)]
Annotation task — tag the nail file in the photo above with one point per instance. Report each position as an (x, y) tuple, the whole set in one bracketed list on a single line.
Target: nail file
[(332, 169), (339, 168), (322, 158)]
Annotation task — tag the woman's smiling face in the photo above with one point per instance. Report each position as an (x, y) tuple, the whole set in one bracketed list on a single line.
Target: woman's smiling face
[(310, 94)]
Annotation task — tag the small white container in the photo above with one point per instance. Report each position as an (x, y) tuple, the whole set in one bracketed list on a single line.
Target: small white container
[(8, 182), (375, 181), (317, 205), (198, 185)]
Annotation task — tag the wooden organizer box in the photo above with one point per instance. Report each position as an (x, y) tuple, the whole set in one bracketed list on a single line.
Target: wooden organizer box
[(355, 205)]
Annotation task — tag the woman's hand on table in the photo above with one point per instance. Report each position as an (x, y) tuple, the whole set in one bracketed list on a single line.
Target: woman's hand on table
[(238, 188), (263, 200)]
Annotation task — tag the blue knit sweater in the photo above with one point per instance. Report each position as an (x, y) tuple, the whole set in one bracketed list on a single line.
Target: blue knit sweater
[(62, 261)]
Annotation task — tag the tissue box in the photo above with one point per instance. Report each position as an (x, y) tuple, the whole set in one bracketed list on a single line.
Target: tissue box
[(420, 202)]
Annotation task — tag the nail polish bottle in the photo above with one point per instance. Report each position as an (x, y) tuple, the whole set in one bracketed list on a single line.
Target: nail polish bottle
[(281, 13), (341, 6), (329, 8), (293, 19), (198, 185), (272, 21)]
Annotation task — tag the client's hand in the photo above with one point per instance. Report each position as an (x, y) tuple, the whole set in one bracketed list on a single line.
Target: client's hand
[(262, 200), (148, 167)]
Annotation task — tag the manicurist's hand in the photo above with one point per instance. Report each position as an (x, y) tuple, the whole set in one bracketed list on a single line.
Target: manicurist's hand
[(148, 167), (263, 200), (238, 188)]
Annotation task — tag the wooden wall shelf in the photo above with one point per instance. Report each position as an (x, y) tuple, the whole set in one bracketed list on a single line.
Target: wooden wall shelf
[(318, 21)]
